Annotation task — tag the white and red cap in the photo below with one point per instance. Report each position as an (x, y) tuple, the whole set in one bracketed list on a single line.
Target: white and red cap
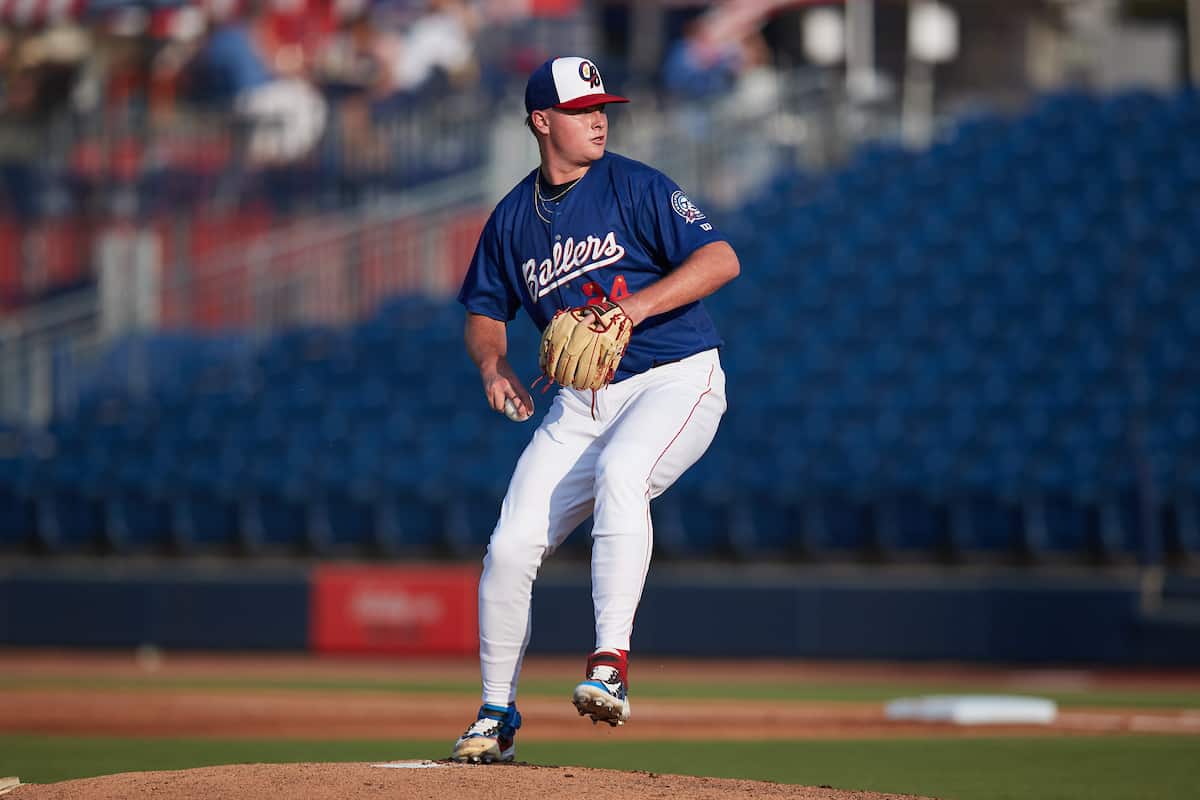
[(570, 82)]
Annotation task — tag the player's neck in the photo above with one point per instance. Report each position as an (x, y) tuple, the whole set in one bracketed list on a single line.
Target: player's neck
[(556, 174)]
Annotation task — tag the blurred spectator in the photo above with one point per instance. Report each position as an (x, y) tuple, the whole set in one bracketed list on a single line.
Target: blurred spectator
[(717, 48), (439, 43), (385, 63), (42, 70), (244, 66), (229, 64), (351, 67), (351, 61), (398, 57), (424, 57), (722, 69), (176, 40)]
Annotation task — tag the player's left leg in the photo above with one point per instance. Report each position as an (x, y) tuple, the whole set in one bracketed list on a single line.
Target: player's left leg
[(663, 422)]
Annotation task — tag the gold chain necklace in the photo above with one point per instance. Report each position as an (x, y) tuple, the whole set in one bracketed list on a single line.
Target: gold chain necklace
[(537, 187), (539, 198)]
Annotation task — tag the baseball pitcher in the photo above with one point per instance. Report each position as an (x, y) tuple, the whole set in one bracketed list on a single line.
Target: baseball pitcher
[(610, 259)]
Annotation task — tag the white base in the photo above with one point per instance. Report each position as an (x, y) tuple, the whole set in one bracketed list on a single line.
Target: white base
[(974, 709)]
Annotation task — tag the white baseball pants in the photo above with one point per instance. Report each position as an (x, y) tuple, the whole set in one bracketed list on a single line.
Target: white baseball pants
[(648, 430)]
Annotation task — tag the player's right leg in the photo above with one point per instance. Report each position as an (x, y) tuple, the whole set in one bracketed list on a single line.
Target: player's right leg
[(491, 737), (549, 494)]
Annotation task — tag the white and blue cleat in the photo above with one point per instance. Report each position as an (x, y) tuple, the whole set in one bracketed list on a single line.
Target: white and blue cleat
[(491, 738), (602, 696)]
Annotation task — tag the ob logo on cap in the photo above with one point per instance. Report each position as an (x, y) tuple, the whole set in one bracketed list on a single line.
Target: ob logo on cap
[(570, 82)]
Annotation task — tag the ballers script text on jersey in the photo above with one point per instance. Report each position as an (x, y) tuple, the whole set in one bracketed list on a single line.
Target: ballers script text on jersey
[(570, 259)]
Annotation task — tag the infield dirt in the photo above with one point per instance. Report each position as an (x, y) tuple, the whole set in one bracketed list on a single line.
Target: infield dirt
[(447, 782)]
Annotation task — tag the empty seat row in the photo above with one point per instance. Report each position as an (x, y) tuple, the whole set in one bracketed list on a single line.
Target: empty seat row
[(980, 351)]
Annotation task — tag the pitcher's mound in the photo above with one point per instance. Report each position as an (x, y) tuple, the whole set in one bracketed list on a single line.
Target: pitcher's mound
[(432, 780)]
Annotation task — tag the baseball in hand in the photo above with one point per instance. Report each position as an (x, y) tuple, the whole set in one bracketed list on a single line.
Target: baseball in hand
[(512, 412)]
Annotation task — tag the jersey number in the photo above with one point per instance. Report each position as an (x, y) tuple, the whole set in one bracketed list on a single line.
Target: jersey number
[(596, 295)]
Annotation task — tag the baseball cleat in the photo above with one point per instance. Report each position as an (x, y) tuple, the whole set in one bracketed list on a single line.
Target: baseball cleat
[(491, 737), (603, 696)]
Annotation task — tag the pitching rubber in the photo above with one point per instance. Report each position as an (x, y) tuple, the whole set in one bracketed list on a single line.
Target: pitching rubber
[(594, 702)]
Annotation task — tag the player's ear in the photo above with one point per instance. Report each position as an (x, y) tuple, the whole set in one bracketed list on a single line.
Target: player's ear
[(538, 122)]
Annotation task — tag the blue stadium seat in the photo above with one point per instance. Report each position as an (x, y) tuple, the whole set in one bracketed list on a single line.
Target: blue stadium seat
[(16, 511), (913, 525), (409, 504), (983, 338), (68, 519), (1181, 504), (137, 516), (206, 492), (694, 520), (271, 503), (340, 520)]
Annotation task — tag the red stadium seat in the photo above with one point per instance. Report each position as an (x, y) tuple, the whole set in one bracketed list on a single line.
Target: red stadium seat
[(461, 237), (66, 252), (10, 265), (391, 264), (206, 276)]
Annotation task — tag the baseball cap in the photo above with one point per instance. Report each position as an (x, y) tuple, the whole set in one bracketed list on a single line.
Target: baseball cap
[(570, 82)]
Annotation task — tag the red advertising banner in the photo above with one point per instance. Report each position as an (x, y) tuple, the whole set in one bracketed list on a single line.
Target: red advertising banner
[(425, 610)]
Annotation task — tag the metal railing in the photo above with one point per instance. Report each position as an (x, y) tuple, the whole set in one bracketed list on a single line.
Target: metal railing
[(45, 354), (335, 267), (331, 269), (724, 149)]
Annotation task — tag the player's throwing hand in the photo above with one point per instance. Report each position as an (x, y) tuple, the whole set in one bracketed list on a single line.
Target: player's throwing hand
[(505, 391)]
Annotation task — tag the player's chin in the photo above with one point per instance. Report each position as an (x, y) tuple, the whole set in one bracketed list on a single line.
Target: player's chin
[(596, 147)]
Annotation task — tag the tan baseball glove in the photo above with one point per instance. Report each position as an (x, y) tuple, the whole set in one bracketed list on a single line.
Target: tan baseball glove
[(581, 347)]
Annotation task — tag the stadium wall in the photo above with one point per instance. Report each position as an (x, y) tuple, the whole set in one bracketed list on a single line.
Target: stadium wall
[(729, 612)]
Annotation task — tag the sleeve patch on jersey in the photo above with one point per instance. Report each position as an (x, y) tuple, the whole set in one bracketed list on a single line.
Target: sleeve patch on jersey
[(684, 207)]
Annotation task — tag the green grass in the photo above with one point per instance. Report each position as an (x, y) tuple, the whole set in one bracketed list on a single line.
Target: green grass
[(1046, 768), (829, 691), (47, 759), (957, 769)]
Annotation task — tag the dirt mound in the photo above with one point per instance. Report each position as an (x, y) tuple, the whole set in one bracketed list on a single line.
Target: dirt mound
[(431, 780)]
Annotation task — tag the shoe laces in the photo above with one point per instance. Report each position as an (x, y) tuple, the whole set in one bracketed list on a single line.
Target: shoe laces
[(484, 726), (605, 674)]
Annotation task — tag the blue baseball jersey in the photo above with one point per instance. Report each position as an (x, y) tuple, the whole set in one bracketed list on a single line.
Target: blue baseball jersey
[(623, 226)]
